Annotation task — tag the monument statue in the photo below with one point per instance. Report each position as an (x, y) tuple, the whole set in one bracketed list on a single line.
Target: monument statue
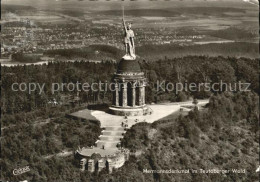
[(130, 82), (129, 40)]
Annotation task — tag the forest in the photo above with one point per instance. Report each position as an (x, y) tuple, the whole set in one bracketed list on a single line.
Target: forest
[(197, 69), (41, 141), (224, 136), (34, 131)]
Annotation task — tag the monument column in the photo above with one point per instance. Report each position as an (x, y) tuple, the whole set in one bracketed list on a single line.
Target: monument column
[(143, 95), (124, 97), (140, 100), (116, 95), (133, 94)]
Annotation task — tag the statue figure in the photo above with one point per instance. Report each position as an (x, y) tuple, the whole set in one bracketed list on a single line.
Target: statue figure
[(129, 40)]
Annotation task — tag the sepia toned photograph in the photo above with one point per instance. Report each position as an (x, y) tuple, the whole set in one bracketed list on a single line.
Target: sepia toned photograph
[(130, 91)]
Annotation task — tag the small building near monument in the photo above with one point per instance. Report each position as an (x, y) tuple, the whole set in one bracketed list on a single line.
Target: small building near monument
[(109, 160)]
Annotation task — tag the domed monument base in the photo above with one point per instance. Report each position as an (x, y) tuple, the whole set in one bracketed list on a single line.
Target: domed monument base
[(129, 91)]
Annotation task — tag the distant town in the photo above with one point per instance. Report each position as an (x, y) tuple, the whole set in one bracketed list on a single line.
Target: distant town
[(24, 36), (42, 32)]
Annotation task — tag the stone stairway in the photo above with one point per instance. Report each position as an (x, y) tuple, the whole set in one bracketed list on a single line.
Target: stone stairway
[(110, 137), (113, 133), (114, 128)]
